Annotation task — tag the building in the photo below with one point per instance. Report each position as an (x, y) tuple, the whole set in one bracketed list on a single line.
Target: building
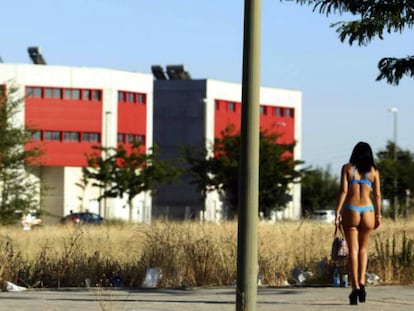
[(71, 109), (194, 112), (74, 108)]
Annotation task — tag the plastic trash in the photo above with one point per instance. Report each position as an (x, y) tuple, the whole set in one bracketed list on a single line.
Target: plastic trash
[(344, 280), (300, 276), (372, 278), (336, 277), (10, 287), (117, 281), (152, 277)]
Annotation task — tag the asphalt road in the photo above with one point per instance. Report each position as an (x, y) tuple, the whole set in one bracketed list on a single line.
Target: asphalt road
[(379, 298)]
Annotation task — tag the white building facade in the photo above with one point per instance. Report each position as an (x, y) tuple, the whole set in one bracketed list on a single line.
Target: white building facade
[(71, 109)]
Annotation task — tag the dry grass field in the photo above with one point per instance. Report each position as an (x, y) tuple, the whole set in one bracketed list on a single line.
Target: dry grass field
[(188, 253)]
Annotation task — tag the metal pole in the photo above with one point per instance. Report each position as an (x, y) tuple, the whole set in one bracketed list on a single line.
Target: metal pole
[(107, 116), (394, 110), (246, 292)]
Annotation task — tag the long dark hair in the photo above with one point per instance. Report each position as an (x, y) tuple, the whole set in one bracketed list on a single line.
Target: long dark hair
[(362, 157)]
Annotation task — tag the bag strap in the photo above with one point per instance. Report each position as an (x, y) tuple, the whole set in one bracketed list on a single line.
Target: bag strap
[(341, 230)]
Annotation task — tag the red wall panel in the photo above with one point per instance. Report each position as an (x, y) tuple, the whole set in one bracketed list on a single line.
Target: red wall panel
[(63, 153), (132, 118), (269, 121), (64, 115), (223, 117)]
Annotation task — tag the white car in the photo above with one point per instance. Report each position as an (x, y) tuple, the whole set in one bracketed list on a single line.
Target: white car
[(325, 215)]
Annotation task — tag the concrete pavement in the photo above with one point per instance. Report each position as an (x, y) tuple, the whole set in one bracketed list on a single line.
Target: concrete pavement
[(379, 298)]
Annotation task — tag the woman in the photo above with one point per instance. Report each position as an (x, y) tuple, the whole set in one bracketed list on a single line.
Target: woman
[(359, 214)]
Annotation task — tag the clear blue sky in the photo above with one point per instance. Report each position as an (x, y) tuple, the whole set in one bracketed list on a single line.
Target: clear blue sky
[(342, 102)]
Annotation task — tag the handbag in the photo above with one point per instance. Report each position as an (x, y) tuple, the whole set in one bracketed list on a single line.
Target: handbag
[(340, 248)]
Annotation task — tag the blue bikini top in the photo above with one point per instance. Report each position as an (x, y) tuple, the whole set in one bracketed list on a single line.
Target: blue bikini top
[(364, 181)]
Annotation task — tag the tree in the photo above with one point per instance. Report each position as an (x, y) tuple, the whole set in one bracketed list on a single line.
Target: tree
[(319, 190), (18, 158), (402, 170), (374, 18), (217, 169), (119, 172)]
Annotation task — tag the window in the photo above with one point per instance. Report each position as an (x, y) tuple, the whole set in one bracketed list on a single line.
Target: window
[(48, 92), (231, 107), (52, 135), (86, 95), (36, 135), (141, 98), (85, 136), (121, 96), (90, 137), (96, 95), (217, 105), (263, 110), (71, 136), (131, 98), (37, 92), (55, 135), (72, 94), (65, 93), (130, 138), (76, 94), (288, 113), (139, 138), (120, 138), (278, 111), (48, 135), (29, 91), (57, 93), (94, 137), (68, 93)]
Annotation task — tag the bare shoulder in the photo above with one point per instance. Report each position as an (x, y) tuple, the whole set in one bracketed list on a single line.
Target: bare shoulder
[(346, 167), (346, 170), (374, 175)]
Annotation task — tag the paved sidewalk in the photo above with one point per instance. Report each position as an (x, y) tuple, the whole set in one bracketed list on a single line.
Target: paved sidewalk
[(379, 298)]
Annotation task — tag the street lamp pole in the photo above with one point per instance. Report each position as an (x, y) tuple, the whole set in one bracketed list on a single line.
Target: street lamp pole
[(394, 111), (246, 291), (107, 130)]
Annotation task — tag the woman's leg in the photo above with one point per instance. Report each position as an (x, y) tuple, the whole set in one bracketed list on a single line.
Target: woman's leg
[(350, 222), (351, 235), (366, 227)]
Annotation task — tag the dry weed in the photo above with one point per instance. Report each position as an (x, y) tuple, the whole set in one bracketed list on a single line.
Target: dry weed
[(188, 253)]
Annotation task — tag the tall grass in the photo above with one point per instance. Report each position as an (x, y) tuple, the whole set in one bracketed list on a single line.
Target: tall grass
[(394, 253), (188, 253)]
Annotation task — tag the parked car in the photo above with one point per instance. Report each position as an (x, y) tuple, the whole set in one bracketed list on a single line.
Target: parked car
[(83, 218), (324, 215)]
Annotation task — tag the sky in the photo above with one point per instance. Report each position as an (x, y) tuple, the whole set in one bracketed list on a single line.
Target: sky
[(341, 101)]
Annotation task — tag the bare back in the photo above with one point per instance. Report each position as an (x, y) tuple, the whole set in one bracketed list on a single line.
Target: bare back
[(359, 194)]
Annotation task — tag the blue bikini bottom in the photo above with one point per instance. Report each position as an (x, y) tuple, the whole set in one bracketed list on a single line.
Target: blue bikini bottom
[(358, 209)]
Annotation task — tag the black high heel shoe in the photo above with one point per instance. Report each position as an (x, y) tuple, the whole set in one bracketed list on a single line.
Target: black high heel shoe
[(362, 295), (353, 297)]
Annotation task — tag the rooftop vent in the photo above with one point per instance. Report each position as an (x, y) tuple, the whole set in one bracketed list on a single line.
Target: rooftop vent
[(177, 72), (158, 72), (36, 56), (174, 72)]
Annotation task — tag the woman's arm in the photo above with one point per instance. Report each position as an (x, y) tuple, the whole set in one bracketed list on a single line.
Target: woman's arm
[(377, 199), (343, 191)]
